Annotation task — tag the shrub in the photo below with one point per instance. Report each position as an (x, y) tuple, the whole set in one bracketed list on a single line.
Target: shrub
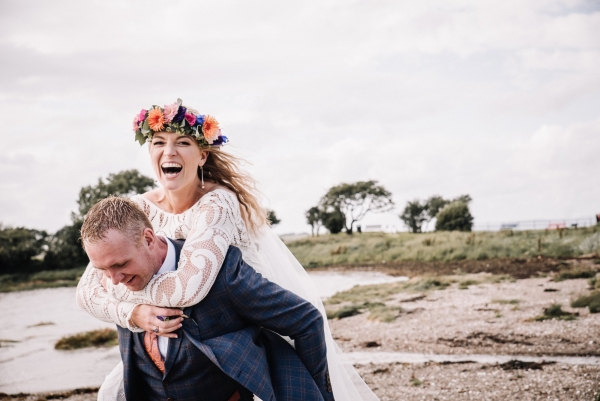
[(592, 301), (343, 312), (555, 312), (454, 217), (94, 338), (574, 274), (464, 285), (384, 313), (506, 301)]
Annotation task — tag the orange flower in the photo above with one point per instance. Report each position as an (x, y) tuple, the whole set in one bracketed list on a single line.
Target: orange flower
[(210, 129), (156, 119)]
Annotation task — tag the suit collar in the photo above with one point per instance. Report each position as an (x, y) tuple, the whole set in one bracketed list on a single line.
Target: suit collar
[(178, 244)]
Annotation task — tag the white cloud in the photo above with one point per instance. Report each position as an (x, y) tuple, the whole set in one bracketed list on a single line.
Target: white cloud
[(427, 97)]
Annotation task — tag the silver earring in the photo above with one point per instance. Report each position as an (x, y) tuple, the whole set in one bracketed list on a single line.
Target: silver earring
[(202, 176)]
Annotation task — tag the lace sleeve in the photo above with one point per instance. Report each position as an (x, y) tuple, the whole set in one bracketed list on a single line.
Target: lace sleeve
[(96, 301), (213, 230)]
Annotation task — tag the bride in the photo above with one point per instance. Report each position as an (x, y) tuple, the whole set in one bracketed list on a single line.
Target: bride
[(207, 200)]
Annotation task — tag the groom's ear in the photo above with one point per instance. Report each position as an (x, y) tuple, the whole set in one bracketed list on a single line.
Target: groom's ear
[(148, 237)]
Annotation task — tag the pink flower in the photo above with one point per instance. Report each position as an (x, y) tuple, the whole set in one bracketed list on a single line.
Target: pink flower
[(190, 119), (170, 111), (138, 119)]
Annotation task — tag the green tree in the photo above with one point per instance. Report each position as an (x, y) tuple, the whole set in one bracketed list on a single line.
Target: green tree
[(124, 183), (64, 248), (355, 200), (272, 217), (334, 221), (21, 249), (414, 215), (314, 218), (434, 204), (454, 217)]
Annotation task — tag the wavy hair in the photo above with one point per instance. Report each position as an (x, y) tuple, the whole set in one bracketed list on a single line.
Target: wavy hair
[(224, 169)]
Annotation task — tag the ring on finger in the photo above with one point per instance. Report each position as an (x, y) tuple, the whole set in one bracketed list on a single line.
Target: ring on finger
[(155, 330)]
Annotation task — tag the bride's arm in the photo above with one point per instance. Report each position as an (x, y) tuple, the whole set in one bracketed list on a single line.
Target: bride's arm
[(201, 258), (95, 300)]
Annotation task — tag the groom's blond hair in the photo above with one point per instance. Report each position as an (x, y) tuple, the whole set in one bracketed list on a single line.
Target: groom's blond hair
[(116, 213)]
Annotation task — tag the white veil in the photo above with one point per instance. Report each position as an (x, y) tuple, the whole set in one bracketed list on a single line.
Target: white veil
[(280, 266)]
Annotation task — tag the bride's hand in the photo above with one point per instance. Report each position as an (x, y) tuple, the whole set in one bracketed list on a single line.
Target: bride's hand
[(147, 318)]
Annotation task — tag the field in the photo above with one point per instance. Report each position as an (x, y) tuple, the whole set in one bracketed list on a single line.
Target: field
[(381, 248)]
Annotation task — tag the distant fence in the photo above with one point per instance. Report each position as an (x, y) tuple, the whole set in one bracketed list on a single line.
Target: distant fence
[(537, 224), (551, 224)]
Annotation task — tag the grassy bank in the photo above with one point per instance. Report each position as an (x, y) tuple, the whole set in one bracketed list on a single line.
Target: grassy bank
[(377, 248), (94, 338), (44, 279)]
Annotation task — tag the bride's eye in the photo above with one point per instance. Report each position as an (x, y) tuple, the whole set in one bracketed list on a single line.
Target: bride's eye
[(158, 143)]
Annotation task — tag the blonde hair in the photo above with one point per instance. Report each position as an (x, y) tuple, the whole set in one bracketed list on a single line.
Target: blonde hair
[(116, 213), (224, 169)]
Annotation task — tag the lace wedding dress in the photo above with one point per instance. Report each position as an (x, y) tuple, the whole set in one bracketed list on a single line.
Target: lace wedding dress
[(209, 227)]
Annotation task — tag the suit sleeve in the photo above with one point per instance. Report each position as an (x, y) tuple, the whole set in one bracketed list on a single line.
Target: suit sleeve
[(270, 306)]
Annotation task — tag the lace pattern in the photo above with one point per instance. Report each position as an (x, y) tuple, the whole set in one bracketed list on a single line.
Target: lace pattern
[(209, 227)]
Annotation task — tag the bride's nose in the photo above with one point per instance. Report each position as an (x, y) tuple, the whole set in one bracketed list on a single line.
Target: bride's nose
[(170, 149)]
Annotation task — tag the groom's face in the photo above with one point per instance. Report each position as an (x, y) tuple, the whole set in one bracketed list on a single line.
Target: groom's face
[(124, 260)]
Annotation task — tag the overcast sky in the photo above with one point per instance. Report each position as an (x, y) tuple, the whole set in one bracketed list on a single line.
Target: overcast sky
[(496, 99)]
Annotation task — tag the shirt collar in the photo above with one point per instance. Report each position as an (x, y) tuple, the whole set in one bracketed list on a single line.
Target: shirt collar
[(169, 264)]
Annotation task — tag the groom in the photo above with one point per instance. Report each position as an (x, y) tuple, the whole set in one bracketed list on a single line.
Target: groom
[(225, 350)]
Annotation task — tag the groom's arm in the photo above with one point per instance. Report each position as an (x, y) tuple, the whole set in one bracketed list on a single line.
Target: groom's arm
[(270, 306)]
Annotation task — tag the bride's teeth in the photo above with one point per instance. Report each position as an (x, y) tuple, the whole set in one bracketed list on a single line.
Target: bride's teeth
[(167, 165)]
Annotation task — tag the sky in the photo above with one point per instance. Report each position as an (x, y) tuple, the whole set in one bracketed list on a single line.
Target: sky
[(498, 100)]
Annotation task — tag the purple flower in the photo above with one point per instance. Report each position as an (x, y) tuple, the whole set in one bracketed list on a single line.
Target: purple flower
[(180, 115), (200, 120), (222, 139)]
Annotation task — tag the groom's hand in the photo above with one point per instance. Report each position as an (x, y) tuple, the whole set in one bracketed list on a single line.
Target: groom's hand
[(152, 318)]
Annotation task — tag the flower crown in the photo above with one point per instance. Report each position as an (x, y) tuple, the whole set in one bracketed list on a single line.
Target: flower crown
[(177, 118)]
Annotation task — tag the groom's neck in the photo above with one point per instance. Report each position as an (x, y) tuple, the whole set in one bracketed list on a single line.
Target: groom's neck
[(161, 252)]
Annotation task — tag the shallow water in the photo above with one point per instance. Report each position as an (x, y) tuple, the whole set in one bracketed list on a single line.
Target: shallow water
[(31, 364), (330, 283)]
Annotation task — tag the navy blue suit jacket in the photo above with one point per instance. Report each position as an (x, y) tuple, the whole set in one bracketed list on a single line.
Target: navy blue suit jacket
[(231, 327)]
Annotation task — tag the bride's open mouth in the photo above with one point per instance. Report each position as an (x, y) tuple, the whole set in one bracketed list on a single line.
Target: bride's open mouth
[(170, 169)]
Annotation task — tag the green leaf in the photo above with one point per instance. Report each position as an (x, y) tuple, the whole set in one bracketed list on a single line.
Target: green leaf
[(140, 137)]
